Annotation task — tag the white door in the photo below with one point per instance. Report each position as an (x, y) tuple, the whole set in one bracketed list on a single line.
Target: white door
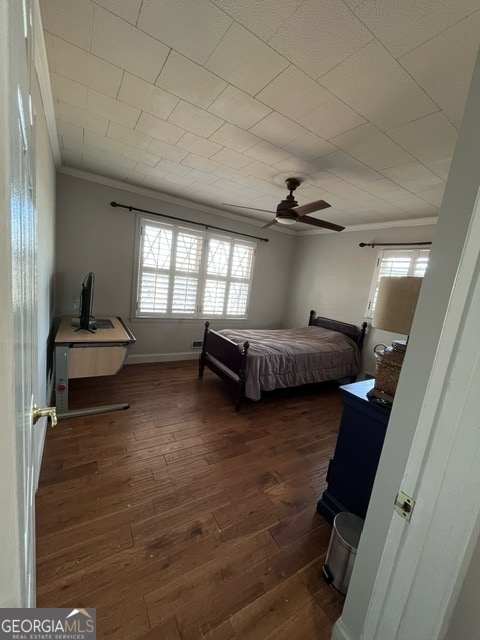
[(19, 349)]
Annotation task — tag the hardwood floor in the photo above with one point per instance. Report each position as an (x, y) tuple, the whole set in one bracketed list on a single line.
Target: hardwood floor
[(180, 519)]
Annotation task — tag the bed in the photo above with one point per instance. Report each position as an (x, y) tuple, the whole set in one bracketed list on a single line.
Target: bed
[(257, 360)]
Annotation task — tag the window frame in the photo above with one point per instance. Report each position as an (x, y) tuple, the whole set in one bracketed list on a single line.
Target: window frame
[(382, 256), (206, 234)]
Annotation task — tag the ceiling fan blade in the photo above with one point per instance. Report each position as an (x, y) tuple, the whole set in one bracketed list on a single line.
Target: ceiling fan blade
[(318, 205), (321, 223), (240, 206), (269, 224)]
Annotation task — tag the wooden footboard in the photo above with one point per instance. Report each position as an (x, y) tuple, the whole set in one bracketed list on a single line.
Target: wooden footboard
[(224, 358)]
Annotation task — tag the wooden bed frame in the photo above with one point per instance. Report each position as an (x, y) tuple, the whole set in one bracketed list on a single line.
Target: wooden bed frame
[(223, 356)]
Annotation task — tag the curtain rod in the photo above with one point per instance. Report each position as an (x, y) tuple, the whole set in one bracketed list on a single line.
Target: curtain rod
[(391, 244), (200, 224)]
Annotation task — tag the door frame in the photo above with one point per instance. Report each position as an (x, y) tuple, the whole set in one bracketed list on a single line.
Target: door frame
[(425, 560), (10, 587), (18, 328)]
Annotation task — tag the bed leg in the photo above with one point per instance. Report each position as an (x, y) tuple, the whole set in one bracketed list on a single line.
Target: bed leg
[(241, 391), (203, 354), (242, 375)]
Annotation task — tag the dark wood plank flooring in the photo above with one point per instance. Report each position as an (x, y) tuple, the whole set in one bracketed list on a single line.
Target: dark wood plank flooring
[(180, 519)]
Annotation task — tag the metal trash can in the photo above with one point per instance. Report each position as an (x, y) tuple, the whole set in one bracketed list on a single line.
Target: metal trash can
[(342, 550)]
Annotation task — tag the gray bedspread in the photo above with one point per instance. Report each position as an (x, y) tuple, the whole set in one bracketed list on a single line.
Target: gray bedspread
[(281, 358)]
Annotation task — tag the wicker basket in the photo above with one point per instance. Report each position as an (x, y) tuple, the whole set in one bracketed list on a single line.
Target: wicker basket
[(388, 367)]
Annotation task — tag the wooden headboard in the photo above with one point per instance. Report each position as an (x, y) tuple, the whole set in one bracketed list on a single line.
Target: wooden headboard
[(350, 330)]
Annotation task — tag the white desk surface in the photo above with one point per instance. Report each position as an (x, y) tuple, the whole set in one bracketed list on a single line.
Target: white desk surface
[(67, 334)]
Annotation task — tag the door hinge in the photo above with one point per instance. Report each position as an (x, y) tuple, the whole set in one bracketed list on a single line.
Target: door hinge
[(404, 505)]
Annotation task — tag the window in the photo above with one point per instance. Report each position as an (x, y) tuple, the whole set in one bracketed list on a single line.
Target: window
[(187, 273), (396, 262)]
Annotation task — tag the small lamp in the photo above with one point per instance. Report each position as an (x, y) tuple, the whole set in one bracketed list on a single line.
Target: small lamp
[(394, 311)]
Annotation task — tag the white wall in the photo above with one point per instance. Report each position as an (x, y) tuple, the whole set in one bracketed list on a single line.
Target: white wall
[(93, 236), (332, 274)]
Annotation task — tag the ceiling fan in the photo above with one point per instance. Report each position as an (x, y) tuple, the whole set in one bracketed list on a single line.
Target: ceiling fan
[(288, 211)]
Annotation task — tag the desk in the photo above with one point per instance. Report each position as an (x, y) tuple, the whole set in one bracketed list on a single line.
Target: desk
[(84, 354)]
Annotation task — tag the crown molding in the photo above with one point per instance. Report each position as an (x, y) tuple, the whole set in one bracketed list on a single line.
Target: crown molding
[(393, 224), (43, 75), (163, 197)]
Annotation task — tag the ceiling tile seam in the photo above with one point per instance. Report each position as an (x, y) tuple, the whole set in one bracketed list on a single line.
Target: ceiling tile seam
[(350, 156), (206, 109), (272, 80), (139, 12), (120, 86), (162, 68), (352, 55), (254, 34), (424, 41), (386, 201), (347, 57), (335, 97), (375, 197), (330, 93), (97, 5), (354, 11), (423, 89), (407, 150), (395, 143), (401, 186), (180, 53), (256, 38), (403, 69), (75, 46), (95, 8), (82, 49)]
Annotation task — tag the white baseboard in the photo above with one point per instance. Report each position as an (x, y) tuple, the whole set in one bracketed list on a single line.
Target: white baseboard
[(339, 632), (142, 358)]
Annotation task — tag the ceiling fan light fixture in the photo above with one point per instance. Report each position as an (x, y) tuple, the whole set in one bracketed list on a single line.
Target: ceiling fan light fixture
[(284, 220)]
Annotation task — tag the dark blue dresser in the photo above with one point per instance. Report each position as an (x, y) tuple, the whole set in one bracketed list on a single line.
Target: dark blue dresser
[(352, 470)]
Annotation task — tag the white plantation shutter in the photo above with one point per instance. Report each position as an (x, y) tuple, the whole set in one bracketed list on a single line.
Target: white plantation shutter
[(185, 272), (396, 263), (241, 270), (229, 267), (155, 258), (188, 252)]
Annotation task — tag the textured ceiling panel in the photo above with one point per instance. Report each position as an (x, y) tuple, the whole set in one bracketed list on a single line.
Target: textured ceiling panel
[(219, 101)]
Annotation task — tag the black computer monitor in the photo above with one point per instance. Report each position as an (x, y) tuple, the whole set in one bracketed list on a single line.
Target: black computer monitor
[(86, 303)]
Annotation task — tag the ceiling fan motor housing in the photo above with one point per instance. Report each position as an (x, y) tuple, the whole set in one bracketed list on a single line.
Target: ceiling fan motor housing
[(287, 204), (284, 208)]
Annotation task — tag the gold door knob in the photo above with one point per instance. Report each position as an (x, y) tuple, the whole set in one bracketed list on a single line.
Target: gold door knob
[(46, 412)]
